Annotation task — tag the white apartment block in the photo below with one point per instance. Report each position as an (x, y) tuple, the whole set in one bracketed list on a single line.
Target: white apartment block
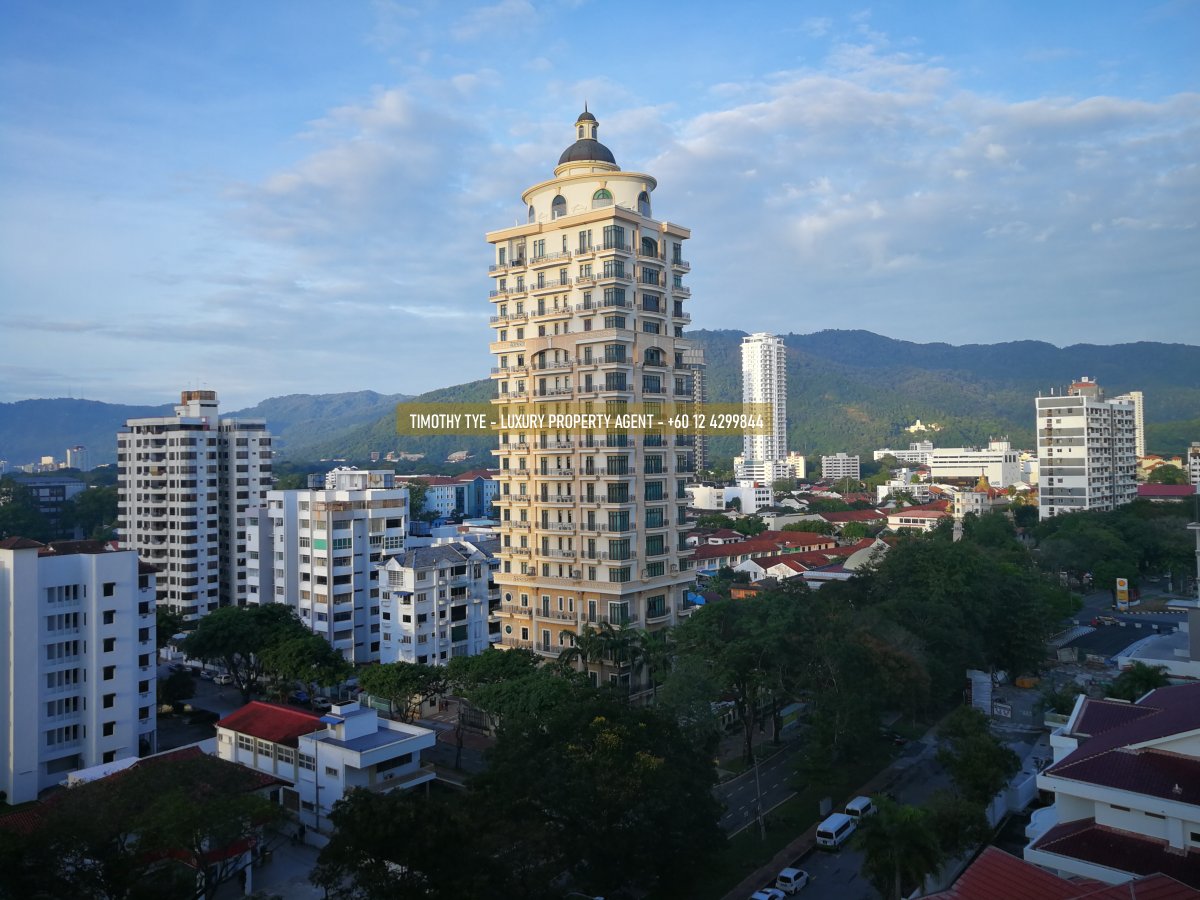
[(999, 463), (1193, 463), (322, 758), (588, 311), (77, 661), (1086, 456), (917, 453), (840, 465), (319, 551), (751, 495), (1138, 402), (436, 603), (185, 483), (764, 382)]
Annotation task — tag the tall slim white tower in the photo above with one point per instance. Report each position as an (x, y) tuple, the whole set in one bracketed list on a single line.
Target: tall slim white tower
[(1138, 401), (764, 382), (588, 312)]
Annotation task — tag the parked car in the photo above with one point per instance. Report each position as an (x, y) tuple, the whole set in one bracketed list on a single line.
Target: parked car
[(859, 808), (206, 675), (176, 667), (791, 881), (223, 678), (768, 894), (835, 831), (300, 698), (321, 704)]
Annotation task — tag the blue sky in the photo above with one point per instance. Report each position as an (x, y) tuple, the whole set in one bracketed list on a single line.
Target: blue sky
[(281, 197)]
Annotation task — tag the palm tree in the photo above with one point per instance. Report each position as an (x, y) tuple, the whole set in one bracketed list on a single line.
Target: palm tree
[(655, 651), (588, 646), (900, 847)]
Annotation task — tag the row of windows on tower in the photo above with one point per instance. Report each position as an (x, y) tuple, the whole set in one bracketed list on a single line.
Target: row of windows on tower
[(600, 199)]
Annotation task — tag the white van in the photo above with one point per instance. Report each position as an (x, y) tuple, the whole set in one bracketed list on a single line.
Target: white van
[(835, 831), (860, 807)]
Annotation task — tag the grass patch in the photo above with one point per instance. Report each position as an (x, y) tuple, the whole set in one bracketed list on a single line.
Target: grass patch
[(746, 851)]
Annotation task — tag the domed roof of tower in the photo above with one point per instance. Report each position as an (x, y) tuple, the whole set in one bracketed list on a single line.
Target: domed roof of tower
[(587, 148)]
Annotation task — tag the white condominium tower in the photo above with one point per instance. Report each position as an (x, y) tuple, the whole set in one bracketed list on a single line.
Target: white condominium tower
[(318, 552), (1138, 401), (77, 661), (1086, 451), (764, 382), (588, 302), (185, 483)]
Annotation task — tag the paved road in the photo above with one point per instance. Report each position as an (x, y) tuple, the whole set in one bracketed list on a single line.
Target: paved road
[(740, 794)]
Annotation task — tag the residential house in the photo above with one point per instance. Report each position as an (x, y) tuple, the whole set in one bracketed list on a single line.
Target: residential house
[(1126, 785)]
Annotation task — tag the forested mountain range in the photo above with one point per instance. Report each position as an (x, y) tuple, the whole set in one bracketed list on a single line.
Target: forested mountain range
[(847, 390)]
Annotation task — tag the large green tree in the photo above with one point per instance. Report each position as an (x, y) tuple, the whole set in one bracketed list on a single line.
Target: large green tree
[(168, 827), (404, 685), (617, 796), (979, 765), (237, 637), (900, 847), (307, 658)]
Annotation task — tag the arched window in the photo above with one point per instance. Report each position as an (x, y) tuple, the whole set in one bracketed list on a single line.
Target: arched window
[(532, 216), (654, 357), (602, 197), (649, 247), (644, 204), (558, 207)]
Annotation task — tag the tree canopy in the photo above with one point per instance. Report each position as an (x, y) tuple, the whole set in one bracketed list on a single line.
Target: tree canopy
[(238, 637)]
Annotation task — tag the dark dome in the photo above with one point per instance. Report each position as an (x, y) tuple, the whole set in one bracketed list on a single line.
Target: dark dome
[(587, 150), (586, 117)]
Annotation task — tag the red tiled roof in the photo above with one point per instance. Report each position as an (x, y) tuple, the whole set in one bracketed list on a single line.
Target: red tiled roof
[(20, 543), (796, 538), (1120, 850), (1153, 491), (477, 473), (271, 722), (788, 559), (996, 875), (854, 515), (1108, 757)]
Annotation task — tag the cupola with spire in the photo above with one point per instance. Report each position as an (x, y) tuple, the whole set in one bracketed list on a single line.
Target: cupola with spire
[(586, 147)]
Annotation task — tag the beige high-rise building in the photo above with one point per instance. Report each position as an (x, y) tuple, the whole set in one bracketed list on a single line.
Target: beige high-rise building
[(588, 303)]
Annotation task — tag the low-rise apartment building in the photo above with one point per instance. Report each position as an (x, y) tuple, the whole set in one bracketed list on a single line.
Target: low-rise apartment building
[(323, 758), (437, 603)]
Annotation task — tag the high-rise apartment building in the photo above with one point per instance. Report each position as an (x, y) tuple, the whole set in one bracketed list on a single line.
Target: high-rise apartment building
[(764, 382), (185, 483), (1193, 463), (317, 551), (77, 661), (77, 458), (588, 301), (1138, 402), (1086, 450)]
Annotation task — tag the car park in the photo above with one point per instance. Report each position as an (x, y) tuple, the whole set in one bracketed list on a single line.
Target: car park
[(791, 880)]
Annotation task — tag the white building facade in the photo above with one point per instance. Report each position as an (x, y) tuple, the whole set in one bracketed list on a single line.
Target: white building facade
[(77, 661), (322, 758), (1086, 451), (999, 463), (764, 383), (319, 550), (840, 465), (588, 311), (1138, 402), (185, 483), (435, 603)]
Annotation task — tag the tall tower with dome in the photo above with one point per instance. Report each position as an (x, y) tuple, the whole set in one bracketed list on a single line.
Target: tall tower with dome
[(588, 311)]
